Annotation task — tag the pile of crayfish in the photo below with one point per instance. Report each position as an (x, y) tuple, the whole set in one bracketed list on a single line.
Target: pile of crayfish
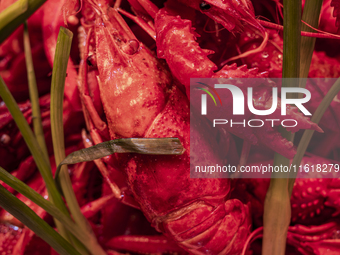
[(129, 76)]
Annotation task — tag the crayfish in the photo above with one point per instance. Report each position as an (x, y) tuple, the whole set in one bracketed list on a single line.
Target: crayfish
[(140, 99)]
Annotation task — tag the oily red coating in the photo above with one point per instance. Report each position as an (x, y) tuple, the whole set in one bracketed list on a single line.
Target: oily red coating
[(321, 239), (324, 66), (336, 12), (133, 88), (321, 66), (143, 244), (13, 240), (230, 14), (173, 121), (12, 145), (172, 28), (270, 59), (185, 58), (37, 184), (329, 22), (144, 102), (313, 200), (52, 20), (151, 177)]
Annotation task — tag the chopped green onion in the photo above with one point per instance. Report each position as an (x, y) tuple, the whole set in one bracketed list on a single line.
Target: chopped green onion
[(57, 94), (277, 211), (16, 14), (34, 96)]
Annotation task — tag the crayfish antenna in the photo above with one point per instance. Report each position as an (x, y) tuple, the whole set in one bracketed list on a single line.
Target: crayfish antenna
[(117, 4), (145, 26), (258, 233), (321, 34), (250, 52), (149, 7)]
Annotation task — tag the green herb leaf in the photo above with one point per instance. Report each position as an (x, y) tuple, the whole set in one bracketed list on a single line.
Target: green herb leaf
[(34, 96), (11, 12), (277, 209), (154, 146), (31, 194), (307, 135), (61, 58), (28, 217), (32, 144), (16, 14), (35, 197), (311, 13)]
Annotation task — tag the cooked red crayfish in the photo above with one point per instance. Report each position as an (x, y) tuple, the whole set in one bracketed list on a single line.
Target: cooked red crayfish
[(126, 91), (270, 59), (140, 99), (314, 202), (12, 57), (186, 59)]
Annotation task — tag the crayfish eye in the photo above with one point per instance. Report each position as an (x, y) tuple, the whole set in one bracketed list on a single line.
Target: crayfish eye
[(204, 6)]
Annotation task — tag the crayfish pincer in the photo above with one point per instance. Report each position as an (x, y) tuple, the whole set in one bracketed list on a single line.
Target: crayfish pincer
[(140, 99)]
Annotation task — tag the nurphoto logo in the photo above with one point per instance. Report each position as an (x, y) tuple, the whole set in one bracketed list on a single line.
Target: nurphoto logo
[(238, 99)]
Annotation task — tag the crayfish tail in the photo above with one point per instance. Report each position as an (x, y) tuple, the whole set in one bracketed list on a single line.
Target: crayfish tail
[(204, 228)]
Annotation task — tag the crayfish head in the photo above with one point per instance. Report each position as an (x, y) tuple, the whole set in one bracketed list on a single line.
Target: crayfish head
[(231, 14), (133, 84)]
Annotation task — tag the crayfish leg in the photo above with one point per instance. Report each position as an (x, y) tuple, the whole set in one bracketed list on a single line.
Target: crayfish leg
[(91, 104), (144, 244)]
